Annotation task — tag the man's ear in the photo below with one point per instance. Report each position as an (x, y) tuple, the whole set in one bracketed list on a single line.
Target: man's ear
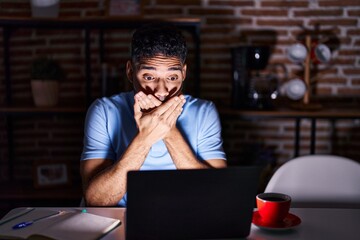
[(184, 71), (129, 71)]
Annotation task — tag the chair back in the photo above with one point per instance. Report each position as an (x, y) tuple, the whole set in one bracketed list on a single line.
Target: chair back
[(319, 181)]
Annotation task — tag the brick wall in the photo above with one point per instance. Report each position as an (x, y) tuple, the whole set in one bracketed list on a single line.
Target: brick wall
[(224, 24)]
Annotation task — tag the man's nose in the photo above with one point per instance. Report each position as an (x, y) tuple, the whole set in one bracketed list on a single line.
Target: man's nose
[(161, 90)]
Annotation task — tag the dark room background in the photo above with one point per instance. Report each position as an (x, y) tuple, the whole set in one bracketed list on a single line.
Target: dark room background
[(224, 24)]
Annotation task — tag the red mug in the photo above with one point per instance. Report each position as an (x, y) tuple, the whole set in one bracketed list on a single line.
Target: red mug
[(273, 207)]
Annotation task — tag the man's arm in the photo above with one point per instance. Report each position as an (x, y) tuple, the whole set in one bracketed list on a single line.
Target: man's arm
[(104, 183), (178, 148), (183, 156)]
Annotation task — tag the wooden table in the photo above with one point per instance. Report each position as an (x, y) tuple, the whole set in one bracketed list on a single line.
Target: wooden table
[(317, 223)]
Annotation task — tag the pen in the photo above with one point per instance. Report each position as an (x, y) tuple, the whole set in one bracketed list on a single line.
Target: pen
[(28, 223), (19, 214)]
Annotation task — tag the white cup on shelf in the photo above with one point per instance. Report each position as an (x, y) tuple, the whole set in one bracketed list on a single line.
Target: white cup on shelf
[(297, 53), (294, 89), (45, 8)]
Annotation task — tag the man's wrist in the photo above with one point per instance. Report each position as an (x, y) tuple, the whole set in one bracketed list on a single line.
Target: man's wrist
[(143, 140), (173, 133)]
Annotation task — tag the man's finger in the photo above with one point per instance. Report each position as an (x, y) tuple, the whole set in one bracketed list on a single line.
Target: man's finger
[(140, 100), (173, 102), (154, 100), (173, 109), (174, 115), (147, 101), (137, 109)]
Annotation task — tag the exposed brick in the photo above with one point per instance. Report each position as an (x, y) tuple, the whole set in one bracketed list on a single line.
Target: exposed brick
[(355, 82), (210, 11), (230, 3), (57, 32), (64, 5), (332, 80), (345, 41), (66, 41), (351, 71), (224, 39), (222, 21), (285, 4), (347, 91), (164, 11), (179, 2), (339, 61), (215, 60), (21, 14), (337, 3), (357, 43), (211, 29), (324, 91), (354, 13), (349, 52), (262, 33), (21, 33), (353, 31), (264, 13), (8, 4), (70, 14), (328, 71), (279, 23), (146, 2), (318, 13), (329, 32), (59, 51), (94, 13), (334, 22), (21, 52)]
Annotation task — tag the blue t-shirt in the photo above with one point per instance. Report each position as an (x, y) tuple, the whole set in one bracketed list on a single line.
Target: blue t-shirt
[(110, 127)]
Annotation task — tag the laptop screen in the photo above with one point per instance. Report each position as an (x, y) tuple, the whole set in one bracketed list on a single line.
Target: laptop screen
[(191, 204)]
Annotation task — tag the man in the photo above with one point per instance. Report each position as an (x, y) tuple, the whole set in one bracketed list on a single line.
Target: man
[(153, 127)]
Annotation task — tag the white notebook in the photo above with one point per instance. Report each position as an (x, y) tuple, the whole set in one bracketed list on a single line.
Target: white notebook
[(69, 225)]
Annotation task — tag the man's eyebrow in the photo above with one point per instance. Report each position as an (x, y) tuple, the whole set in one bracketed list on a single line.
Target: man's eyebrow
[(146, 67), (175, 68)]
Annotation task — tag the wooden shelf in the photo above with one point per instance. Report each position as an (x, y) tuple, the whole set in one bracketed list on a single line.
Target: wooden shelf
[(331, 108), (25, 191), (91, 23), (19, 194), (328, 113), (9, 192), (41, 110)]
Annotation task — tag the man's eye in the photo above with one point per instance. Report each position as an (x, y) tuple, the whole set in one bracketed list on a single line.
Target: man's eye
[(173, 78), (148, 78)]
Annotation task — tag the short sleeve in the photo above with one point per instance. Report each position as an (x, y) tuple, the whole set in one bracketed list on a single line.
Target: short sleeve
[(97, 142), (210, 139)]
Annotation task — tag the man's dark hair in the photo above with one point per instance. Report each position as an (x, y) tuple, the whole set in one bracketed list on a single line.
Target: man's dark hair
[(158, 39)]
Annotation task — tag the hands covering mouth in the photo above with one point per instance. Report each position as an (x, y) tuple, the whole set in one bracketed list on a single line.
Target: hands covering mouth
[(155, 119), (150, 102)]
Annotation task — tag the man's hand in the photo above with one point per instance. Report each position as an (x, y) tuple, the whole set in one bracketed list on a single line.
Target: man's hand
[(158, 118), (147, 102)]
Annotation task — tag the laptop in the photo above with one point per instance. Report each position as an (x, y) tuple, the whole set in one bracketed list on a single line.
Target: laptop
[(191, 204)]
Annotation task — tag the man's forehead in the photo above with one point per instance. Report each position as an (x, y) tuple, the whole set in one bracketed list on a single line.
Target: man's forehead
[(159, 61)]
